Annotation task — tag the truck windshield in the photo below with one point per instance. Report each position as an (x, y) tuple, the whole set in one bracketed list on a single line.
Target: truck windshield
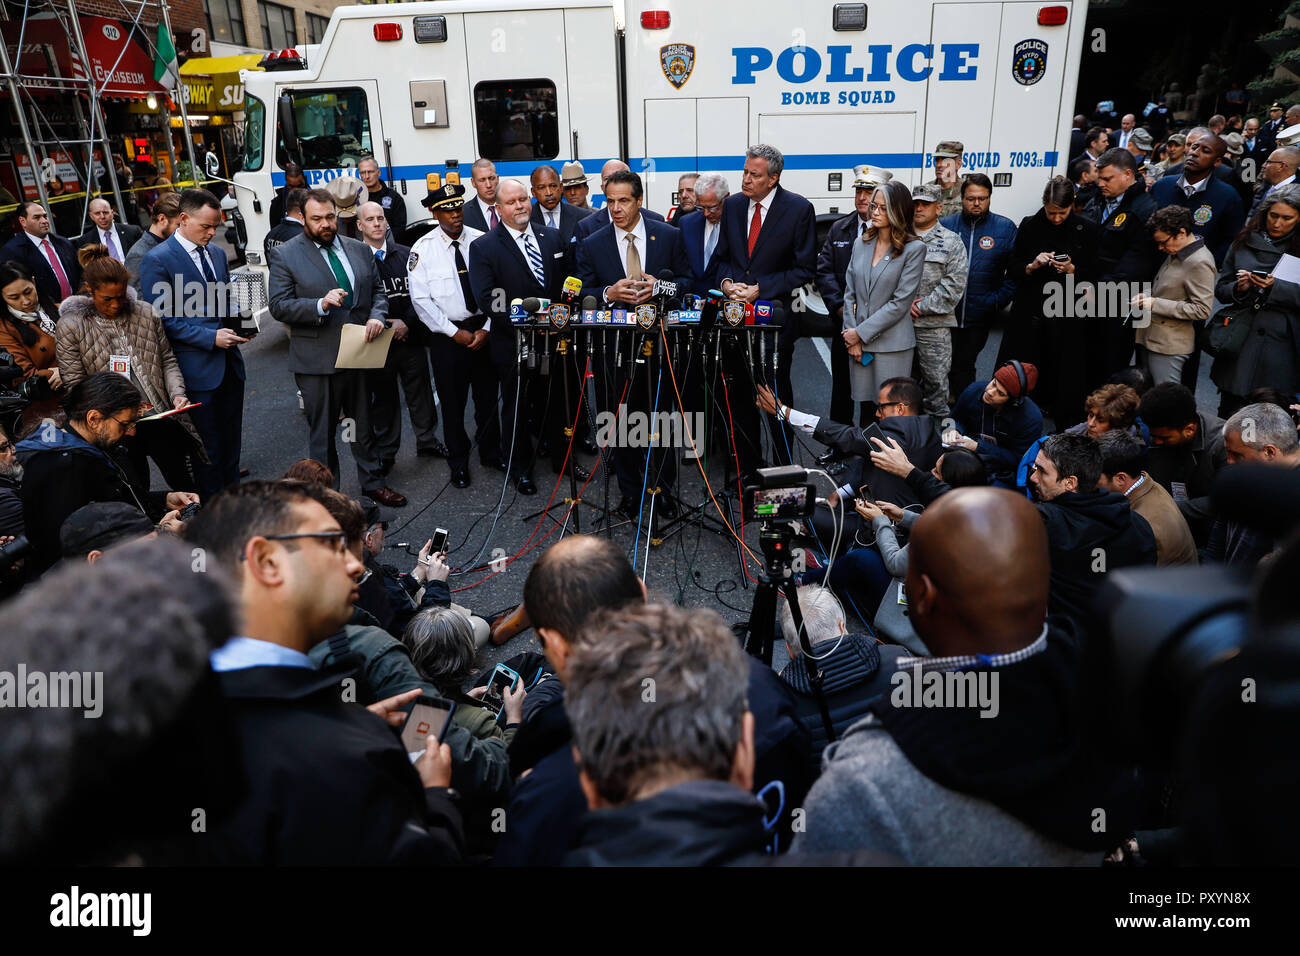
[(254, 133), (333, 128)]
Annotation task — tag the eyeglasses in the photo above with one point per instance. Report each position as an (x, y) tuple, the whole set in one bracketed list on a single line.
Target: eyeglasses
[(709, 208), (6, 448), (1273, 162), (873, 206), (127, 425), (339, 538)]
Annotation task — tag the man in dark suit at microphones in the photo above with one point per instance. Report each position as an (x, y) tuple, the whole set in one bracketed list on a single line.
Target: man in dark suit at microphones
[(702, 228), (600, 219), (320, 282), (205, 341), (767, 250), (103, 230), (518, 260), (550, 210), (617, 265)]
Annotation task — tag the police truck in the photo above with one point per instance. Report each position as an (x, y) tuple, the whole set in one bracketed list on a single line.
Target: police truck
[(670, 87)]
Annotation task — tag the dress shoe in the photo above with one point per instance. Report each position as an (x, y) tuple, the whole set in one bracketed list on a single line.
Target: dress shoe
[(389, 497), (627, 510), (436, 450), (525, 485), (665, 507), (244, 473), (496, 464)]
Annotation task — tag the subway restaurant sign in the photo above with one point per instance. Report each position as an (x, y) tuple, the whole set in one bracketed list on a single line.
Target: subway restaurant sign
[(212, 82)]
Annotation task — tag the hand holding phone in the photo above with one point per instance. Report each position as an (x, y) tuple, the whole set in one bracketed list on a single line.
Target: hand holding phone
[(502, 678)]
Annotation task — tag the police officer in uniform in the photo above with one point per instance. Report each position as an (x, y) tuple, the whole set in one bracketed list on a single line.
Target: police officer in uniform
[(445, 305), (406, 361)]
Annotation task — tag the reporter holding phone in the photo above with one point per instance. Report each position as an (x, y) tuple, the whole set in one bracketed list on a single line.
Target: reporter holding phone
[(1052, 245), (1183, 293), (1270, 355)]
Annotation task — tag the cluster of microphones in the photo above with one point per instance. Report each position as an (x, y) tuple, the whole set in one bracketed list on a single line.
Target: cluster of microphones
[(669, 303)]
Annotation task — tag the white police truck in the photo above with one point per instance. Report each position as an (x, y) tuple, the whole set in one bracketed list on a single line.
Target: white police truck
[(670, 86)]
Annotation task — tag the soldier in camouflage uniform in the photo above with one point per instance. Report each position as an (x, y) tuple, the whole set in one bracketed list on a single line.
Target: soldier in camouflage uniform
[(942, 284), (947, 167)]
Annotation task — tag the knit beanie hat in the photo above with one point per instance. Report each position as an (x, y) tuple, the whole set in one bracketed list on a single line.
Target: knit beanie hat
[(1009, 380)]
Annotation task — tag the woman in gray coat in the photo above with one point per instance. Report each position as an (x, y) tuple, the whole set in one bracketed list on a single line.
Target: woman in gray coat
[(1271, 353), (883, 277)]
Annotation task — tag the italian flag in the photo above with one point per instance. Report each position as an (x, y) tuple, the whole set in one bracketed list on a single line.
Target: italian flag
[(165, 66)]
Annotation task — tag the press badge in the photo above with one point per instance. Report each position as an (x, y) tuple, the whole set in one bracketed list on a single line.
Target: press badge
[(121, 364), (1179, 490)]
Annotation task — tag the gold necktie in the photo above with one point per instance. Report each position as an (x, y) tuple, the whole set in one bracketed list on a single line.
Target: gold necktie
[(633, 259)]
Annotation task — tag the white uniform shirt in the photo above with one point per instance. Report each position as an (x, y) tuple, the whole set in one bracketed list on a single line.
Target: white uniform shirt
[(436, 292)]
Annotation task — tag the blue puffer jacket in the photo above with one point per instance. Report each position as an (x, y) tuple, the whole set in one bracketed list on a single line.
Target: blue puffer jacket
[(988, 241)]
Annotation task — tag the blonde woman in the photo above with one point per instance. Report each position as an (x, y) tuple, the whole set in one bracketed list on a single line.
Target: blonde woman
[(883, 276)]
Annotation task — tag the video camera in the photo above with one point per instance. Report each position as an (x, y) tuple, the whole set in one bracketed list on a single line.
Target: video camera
[(777, 496)]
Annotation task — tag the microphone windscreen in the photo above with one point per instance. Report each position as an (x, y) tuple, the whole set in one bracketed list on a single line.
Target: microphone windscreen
[(666, 275), (589, 302), (1266, 497), (532, 304)]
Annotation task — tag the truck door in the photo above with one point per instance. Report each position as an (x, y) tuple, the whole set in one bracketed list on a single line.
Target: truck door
[(962, 110), (691, 135)]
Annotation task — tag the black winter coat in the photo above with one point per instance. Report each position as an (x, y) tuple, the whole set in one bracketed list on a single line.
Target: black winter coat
[(1271, 355), (1125, 251), (332, 783), (1089, 534)]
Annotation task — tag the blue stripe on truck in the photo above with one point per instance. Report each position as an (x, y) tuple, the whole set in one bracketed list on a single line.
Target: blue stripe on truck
[(681, 164)]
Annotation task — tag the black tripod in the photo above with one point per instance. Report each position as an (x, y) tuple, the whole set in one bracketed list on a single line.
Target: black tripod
[(774, 538), (563, 347)]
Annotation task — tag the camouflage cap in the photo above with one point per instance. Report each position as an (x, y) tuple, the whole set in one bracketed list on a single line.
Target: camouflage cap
[(927, 192), (949, 149)]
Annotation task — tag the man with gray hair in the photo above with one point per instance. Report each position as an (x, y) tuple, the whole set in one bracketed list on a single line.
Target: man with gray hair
[(856, 668), (668, 782), (1275, 172), (685, 197), (767, 250), (1263, 434), (700, 227)]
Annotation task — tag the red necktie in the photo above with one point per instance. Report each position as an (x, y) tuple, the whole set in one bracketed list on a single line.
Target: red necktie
[(755, 224), (64, 287)]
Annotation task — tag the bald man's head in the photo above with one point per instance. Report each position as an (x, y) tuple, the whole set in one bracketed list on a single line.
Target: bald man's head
[(609, 169), (372, 223), (977, 573), (576, 577)]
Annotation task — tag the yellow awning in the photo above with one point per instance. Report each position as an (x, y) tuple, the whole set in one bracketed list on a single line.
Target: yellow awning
[(212, 65)]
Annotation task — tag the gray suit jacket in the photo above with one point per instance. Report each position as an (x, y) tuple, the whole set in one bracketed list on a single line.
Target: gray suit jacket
[(300, 277), (883, 318)]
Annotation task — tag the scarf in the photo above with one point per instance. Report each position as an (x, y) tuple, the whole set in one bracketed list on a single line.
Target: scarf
[(38, 317)]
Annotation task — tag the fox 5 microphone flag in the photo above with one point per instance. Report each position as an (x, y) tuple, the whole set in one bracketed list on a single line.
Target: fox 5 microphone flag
[(165, 66)]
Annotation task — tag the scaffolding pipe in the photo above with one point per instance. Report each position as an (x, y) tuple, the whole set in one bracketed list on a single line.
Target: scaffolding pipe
[(26, 131), (96, 117)]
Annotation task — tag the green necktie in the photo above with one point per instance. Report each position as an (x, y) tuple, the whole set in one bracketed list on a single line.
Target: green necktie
[(337, 268)]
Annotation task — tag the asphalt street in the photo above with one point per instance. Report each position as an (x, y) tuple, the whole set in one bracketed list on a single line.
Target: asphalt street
[(693, 568)]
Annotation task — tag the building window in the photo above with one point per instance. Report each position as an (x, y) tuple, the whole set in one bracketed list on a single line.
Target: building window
[(517, 119), (279, 32), (225, 21), (316, 28)]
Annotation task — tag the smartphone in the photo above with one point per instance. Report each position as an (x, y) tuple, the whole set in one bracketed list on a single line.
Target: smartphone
[(1060, 257), (1262, 273), (502, 679), (439, 541), (429, 715), (864, 493)]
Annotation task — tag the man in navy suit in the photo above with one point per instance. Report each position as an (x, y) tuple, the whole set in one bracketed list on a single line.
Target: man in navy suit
[(617, 265), (600, 219), (767, 250), (550, 210), (118, 239), (482, 212), (518, 260), (203, 332), (702, 227), (50, 259)]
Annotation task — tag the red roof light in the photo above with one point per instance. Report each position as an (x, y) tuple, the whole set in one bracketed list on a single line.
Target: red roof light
[(1052, 16), (655, 19), (388, 31)]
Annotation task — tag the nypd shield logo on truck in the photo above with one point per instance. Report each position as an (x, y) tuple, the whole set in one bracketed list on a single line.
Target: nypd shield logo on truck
[(1029, 61), (677, 60)]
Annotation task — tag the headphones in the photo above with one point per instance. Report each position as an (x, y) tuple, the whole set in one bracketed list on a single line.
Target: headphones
[(1023, 379)]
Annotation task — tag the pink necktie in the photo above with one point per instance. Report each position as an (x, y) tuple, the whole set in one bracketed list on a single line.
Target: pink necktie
[(64, 287), (495, 220)]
